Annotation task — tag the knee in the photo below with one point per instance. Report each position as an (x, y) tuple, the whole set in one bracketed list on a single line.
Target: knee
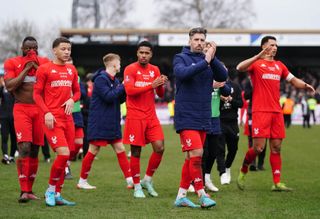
[(94, 149), (24, 149), (159, 149), (135, 151), (34, 151)]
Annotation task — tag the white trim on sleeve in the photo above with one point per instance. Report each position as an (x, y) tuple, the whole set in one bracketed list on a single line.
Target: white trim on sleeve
[(289, 77)]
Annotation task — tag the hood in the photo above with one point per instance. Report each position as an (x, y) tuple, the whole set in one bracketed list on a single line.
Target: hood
[(100, 71)]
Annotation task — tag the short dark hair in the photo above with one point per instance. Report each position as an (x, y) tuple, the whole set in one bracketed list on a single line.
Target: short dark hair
[(146, 44), (266, 39), (28, 38), (59, 40), (195, 30)]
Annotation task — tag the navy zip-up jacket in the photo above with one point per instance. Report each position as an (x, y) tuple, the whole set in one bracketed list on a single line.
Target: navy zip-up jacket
[(104, 112), (194, 78)]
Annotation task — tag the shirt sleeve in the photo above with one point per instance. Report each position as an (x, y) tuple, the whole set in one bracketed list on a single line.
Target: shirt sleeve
[(38, 89), (129, 84), (285, 72), (9, 69)]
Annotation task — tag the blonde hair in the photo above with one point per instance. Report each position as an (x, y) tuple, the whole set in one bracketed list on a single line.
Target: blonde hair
[(110, 57)]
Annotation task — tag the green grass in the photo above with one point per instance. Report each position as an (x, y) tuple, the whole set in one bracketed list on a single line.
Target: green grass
[(301, 165)]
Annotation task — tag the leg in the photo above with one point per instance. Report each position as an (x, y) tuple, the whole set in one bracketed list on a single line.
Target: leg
[(46, 151), (4, 140), (23, 169), (261, 158), (135, 170), (86, 167), (57, 174), (258, 146), (13, 139), (275, 159), (209, 155), (33, 165), (118, 147)]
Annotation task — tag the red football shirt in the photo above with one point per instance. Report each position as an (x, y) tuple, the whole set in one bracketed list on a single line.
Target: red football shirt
[(55, 85), (265, 76), (14, 66), (140, 94)]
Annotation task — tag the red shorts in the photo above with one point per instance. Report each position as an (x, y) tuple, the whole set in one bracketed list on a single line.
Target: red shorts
[(28, 123), (268, 125), (62, 134), (79, 132), (103, 143), (192, 139), (246, 130), (140, 132)]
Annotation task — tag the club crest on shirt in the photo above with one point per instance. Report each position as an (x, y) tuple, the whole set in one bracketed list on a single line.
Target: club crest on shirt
[(131, 138), (54, 139), (69, 71), (256, 131), (151, 73), (19, 135)]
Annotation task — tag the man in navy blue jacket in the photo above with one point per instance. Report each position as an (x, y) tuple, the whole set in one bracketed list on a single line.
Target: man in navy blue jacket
[(104, 119), (195, 72)]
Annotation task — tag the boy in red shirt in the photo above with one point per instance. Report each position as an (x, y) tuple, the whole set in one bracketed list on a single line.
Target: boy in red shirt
[(56, 81), (141, 80)]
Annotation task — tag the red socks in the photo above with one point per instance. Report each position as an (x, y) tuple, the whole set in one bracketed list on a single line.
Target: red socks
[(57, 169), (250, 156), (154, 162), (195, 171), (275, 162), (135, 169), (86, 165), (185, 175), (23, 173), (33, 168), (124, 164)]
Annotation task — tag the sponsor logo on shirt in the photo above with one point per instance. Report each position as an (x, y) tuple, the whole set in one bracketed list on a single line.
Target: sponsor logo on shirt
[(53, 71), (138, 72), (142, 83), (270, 76), (61, 83)]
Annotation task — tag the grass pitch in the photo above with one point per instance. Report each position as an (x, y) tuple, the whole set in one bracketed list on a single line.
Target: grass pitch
[(111, 199)]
